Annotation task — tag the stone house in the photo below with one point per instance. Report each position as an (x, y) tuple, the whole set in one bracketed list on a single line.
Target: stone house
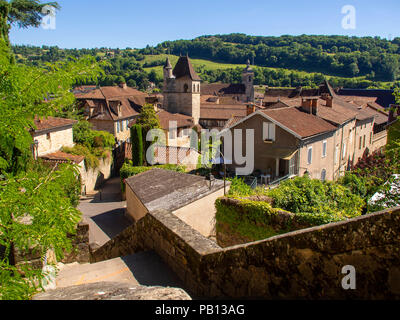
[(111, 109), (289, 142), (51, 134), (191, 198)]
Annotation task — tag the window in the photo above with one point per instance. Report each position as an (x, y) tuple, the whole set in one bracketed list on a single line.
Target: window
[(324, 148), (344, 151), (309, 158), (118, 127), (360, 143), (185, 88), (364, 142), (127, 124), (370, 138), (351, 136), (323, 175), (336, 155), (48, 136), (269, 131)]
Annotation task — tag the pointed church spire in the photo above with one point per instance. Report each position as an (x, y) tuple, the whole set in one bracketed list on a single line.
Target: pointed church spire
[(168, 64)]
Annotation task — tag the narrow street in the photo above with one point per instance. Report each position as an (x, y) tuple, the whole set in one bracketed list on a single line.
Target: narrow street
[(104, 212)]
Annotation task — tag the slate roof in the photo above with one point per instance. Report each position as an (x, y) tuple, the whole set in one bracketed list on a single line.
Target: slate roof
[(184, 68), (217, 89), (159, 189)]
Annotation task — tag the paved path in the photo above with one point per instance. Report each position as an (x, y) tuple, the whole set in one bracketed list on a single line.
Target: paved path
[(104, 212)]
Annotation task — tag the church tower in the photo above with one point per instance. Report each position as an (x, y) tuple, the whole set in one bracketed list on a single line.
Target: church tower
[(182, 88), (248, 82)]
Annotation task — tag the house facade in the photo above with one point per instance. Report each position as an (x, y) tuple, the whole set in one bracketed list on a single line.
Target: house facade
[(288, 142), (51, 134), (111, 109)]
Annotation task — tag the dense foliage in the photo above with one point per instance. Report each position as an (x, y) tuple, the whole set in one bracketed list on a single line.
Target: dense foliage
[(303, 194), (137, 145), (83, 134), (37, 204), (352, 62), (337, 55), (37, 211)]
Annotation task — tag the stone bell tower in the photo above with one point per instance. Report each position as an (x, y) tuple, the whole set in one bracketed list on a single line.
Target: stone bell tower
[(248, 82), (182, 88)]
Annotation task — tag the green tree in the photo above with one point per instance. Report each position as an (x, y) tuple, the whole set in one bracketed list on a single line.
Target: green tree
[(137, 145), (37, 206), (149, 117), (24, 13)]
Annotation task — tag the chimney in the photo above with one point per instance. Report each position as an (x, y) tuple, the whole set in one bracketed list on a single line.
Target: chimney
[(306, 105), (329, 102), (123, 85), (251, 109), (328, 99)]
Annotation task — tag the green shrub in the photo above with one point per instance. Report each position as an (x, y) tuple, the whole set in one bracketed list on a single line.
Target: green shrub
[(314, 196), (250, 219), (91, 161), (84, 135), (239, 188)]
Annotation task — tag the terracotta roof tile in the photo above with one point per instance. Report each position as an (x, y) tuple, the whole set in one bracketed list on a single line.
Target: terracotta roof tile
[(63, 157), (303, 124), (49, 123), (222, 112)]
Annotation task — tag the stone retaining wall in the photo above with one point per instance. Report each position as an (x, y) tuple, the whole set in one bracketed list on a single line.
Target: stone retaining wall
[(305, 264), (80, 246)]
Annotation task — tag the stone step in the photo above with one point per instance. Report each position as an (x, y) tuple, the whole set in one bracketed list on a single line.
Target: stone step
[(115, 270)]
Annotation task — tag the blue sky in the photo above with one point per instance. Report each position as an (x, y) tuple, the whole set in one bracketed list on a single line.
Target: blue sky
[(123, 23)]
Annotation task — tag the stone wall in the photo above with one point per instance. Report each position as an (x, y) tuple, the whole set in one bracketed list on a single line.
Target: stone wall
[(93, 178), (54, 141), (305, 264), (80, 245)]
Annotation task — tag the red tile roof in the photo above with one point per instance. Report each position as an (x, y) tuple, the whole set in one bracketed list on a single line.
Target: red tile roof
[(106, 100), (222, 112), (50, 123), (303, 124), (63, 157)]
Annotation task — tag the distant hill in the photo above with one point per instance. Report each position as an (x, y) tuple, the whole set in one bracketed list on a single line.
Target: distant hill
[(286, 61)]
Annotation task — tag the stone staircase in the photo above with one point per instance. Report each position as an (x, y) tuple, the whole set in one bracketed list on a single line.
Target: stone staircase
[(144, 268), (115, 270)]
